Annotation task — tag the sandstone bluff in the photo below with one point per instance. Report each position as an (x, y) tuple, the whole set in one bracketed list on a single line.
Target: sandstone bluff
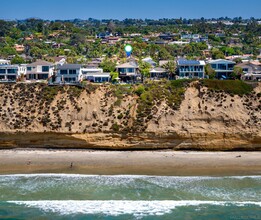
[(156, 116)]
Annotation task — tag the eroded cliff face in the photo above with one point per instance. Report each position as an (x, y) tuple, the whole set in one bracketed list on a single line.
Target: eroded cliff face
[(99, 117)]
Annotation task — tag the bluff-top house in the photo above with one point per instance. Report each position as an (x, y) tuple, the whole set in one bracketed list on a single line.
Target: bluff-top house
[(128, 72), (95, 75), (158, 73), (191, 68), (12, 72), (68, 73), (39, 70), (223, 68), (251, 70)]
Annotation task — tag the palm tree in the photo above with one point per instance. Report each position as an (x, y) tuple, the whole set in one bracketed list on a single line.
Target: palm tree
[(171, 67)]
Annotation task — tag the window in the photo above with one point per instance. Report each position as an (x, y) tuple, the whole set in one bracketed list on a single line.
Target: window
[(45, 68), (245, 69), (43, 76), (63, 72), (12, 77), (11, 70), (72, 71), (2, 71), (222, 66), (29, 68)]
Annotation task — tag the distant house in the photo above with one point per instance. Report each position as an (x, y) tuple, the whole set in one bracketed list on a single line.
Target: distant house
[(128, 71), (95, 75), (69, 73), (5, 62), (150, 61), (158, 73), (251, 70), (223, 68), (39, 70), (11, 72), (19, 48), (191, 68)]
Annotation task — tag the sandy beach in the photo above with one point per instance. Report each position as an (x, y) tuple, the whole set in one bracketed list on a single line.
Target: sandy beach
[(130, 162)]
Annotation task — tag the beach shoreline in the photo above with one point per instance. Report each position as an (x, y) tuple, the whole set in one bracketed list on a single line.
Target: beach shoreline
[(161, 163)]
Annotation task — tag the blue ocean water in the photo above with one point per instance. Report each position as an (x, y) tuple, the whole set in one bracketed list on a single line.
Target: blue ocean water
[(63, 196)]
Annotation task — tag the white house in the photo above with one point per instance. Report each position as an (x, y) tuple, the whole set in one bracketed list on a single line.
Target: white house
[(95, 75), (5, 62), (39, 70), (69, 73), (9, 72), (12, 72)]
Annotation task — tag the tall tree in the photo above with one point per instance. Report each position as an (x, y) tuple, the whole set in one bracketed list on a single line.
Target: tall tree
[(171, 67), (144, 68), (210, 71)]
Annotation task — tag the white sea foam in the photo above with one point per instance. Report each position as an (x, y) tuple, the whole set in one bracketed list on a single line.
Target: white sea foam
[(127, 176), (120, 207)]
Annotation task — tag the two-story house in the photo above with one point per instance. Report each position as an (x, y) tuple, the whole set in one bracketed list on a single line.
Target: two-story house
[(95, 75), (191, 68), (69, 73), (39, 70), (223, 68), (9, 72), (128, 72)]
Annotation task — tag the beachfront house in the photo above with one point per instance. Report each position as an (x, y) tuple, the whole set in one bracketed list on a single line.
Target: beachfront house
[(95, 75), (251, 70), (9, 72), (39, 70), (223, 68), (158, 73), (12, 72), (191, 69), (68, 73), (128, 72)]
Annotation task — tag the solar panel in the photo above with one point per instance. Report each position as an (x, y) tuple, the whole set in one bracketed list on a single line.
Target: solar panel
[(188, 62)]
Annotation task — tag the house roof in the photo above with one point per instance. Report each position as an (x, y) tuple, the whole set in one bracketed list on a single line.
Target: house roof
[(221, 61), (128, 65), (190, 62), (69, 66), (158, 70), (41, 63)]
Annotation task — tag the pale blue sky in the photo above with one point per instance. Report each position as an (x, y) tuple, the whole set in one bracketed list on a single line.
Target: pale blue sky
[(121, 9)]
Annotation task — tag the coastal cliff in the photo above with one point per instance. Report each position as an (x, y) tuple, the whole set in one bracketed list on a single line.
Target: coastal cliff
[(177, 115)]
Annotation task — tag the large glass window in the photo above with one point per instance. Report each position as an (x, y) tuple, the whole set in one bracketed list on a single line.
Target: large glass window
[(72, 71), (2, 71), (43, 76), (45, 68), (29, 68), (11, 70), (11, 77), (63, 72), (222, 66), (231, 66)]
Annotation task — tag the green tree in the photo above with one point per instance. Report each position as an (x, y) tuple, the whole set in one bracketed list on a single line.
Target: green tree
[(171, 67), (237, 72), (210, 71), (114, 76), (144, 68), (108, 66), (17, 60), (217, 54)]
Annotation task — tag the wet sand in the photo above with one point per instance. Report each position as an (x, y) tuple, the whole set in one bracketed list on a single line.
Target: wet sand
[(174, 163)]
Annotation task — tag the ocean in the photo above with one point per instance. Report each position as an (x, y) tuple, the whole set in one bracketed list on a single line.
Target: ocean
[(65, 196)]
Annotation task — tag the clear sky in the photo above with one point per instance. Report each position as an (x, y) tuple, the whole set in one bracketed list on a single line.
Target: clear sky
[(121, 9)]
